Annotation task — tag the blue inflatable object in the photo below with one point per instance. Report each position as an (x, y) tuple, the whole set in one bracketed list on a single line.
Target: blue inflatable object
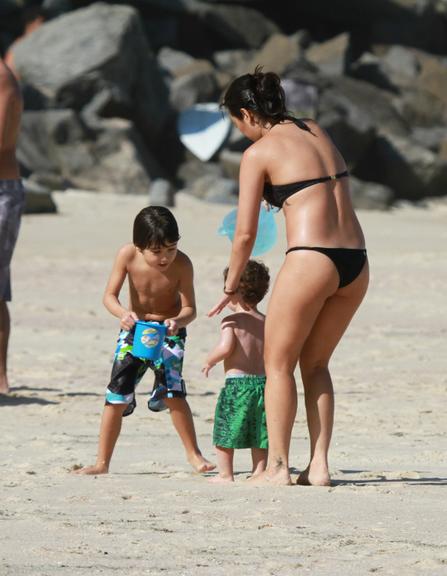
[(265, 237)]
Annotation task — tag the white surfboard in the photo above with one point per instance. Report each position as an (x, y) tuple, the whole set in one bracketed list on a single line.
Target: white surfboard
[(203, 128)]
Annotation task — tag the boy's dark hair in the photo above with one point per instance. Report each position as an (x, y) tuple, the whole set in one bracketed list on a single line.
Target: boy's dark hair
[(254, 282), (153, 227)]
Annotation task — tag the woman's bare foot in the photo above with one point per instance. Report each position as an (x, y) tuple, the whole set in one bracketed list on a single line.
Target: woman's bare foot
[(200, 464), (92, 470), (218, 479), (272, 476), (314, 477)]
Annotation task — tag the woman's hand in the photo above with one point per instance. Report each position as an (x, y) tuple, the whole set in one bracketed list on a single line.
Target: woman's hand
[(226, 299)]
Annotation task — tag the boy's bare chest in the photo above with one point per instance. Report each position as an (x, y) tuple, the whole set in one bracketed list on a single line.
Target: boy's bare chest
[(153, 283)]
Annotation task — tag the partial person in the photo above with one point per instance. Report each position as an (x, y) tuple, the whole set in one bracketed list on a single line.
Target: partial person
[(161, 289), (294, 165), (12, 196), (239, 420)]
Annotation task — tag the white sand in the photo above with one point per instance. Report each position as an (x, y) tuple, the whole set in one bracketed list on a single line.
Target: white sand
[(386, 513)]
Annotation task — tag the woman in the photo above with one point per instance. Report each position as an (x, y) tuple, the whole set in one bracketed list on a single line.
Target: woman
[(295, 166)]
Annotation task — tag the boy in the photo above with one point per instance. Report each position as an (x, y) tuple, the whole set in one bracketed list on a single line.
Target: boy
[(240, 415), (160, 290)]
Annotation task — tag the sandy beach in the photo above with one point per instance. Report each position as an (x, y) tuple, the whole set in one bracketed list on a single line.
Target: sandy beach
[(386, 512)]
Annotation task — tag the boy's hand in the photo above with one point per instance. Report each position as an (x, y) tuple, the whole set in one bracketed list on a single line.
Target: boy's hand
[(127, 321), (206, 369), (172, 326)]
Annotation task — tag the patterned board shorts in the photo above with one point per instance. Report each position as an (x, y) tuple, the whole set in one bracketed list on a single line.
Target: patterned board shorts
[(239, 420), (128, 370), (12, 199)]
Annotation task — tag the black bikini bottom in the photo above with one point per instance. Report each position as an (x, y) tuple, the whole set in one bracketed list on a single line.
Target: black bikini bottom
[(348, 261)]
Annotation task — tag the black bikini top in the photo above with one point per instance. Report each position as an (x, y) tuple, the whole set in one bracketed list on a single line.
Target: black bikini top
[(277, 194)]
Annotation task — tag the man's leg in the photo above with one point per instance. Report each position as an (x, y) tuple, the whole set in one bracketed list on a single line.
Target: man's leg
[(182, 419), (4, 338)]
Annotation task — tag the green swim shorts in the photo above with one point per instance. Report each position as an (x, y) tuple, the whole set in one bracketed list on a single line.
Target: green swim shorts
[(239, 421)]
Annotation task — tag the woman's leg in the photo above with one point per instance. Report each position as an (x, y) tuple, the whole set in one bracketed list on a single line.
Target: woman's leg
[(303, 285), (327, 331)]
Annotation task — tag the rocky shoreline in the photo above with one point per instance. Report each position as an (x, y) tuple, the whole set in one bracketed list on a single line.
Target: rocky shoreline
[(104, 84)]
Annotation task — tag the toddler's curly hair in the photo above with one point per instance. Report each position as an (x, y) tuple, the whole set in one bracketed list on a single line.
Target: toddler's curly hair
[(254, 282)]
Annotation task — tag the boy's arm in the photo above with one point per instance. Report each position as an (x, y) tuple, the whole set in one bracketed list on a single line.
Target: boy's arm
[(224, 348), (187, 299), (113, 289)]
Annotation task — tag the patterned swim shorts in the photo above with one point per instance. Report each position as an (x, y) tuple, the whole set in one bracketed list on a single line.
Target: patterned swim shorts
[(12, 199), (239, 420), (128, 370)]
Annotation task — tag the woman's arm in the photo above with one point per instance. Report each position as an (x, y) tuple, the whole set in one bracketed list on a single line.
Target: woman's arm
[(251, 184)]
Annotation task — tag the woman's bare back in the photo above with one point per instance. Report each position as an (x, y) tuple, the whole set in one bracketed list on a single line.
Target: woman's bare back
[(321, 214)]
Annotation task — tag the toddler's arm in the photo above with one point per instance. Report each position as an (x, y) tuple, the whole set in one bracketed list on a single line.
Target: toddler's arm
[(224, 348), (113, 289)]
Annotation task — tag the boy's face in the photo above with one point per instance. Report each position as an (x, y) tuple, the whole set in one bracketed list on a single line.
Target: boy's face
[(160, 257)]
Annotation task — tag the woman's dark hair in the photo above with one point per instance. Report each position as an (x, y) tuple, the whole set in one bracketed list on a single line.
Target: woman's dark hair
[(254, 282), (261, 93), (153, 227)]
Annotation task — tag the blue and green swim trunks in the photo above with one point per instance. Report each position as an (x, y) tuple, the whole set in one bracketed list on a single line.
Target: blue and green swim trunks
[(239, 420), (128, 370)]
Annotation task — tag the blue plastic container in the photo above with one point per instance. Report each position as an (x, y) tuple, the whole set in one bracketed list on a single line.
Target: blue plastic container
[(266, 234), (148, 340)]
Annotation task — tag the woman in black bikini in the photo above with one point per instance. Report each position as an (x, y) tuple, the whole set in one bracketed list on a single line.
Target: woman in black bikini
[(294, 165)]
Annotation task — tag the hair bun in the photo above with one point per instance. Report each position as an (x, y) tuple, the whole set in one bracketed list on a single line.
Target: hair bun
[(268, 92)]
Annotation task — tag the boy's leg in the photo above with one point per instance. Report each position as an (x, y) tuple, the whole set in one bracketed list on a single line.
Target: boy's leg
[(224, 465), (112, 418), (259, 459), (182, 419)]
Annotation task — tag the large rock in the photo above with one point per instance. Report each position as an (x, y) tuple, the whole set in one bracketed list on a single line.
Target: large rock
[(38, 199), (418, 78), (56, 144), (413, 172), (353, 112), (370, 195), (330, 56), (73, 57)]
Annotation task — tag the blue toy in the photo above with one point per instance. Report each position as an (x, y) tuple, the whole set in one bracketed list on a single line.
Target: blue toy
[(265, 237)]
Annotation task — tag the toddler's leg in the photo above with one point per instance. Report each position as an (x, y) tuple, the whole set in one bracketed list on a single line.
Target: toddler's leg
[(224, 465), (182, 419), (112, 418), (259, 459)]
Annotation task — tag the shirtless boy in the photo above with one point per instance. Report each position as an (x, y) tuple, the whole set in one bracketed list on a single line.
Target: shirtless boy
[(160, 290)]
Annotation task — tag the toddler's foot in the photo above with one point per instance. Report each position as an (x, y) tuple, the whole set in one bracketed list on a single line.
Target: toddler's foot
[(200, 464), (314, 477), (92, 470), (219, 479)]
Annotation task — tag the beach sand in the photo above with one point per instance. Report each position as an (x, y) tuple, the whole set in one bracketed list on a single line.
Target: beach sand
[(386, 512)]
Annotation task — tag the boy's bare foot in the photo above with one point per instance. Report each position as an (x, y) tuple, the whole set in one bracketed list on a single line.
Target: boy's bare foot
[(200, 464), (221, 479), (314, 478), (92, 470)]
